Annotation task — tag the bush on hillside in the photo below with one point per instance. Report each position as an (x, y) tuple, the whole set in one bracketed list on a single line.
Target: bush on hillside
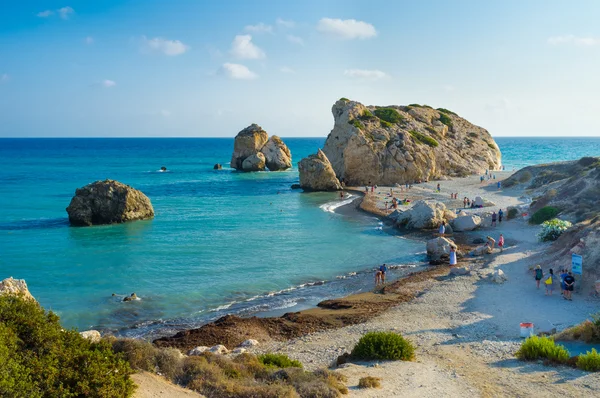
[(535, 348), (40, 359), (389, 115), (552, 229), (383, 346), (544, 214), (590, 361), (424, 139)]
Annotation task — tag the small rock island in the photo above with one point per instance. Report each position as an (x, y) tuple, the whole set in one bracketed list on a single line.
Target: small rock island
[(108, 202), (253, 150)]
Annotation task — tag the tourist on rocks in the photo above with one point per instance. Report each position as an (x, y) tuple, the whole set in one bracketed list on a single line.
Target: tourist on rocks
[(383, 270), (442, 229), (494, 218), (549, 283), (500, 215), (452, 256), (569, 285), (501, 242), (539, 274)]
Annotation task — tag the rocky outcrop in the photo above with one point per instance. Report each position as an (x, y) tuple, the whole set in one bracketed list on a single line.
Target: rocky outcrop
[(254, 162), (108, 202), (466, 223), (424, 214), (316, 174), (399, 144), (277, 154), (439, 248), (253, 150), (16, 287)]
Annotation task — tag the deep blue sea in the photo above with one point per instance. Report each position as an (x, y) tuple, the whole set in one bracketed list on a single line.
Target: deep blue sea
[(221, 242)]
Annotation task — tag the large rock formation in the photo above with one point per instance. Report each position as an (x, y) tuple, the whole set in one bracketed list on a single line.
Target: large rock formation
[(316, 173), (254, 142), (108, 202), (424, 214), (399, 144), (15, 286)]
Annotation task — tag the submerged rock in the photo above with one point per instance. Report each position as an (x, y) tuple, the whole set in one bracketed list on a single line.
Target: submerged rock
[(277, 154), (316, 173), (15, 287), (108, 202)]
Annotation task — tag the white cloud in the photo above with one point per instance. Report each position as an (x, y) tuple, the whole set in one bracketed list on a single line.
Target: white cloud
[(108, 83), (89, 40), (4, 78), (167, 47), (286, 69), (259, 28), (237, 71), (44, 14), (242, 47), (285, 23), (347, 28), (165, 112), (295, 40), (575, 40), (373, 74), (65, 12)]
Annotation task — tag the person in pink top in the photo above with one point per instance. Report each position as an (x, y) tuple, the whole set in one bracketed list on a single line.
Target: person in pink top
[(501, 242)]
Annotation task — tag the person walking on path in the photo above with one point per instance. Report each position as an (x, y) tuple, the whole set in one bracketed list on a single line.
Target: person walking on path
[(500, 215), (569, 285), (539, 274), (494, 218), (501, 242), (453, 256), (549, 283)]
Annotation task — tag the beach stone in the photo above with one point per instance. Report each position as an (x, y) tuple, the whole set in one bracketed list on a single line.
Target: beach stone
[(248, 142), (254, 162), (92, 335), (498, 276), (198, 350), (460, 271), (466, 223), (250, 343), (316, 173), (217, 166), (218, 349), (15, 287), (108, 202), (425, 214), (277, 154), (438, 248)]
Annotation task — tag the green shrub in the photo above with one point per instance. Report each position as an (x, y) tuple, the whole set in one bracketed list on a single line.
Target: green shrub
[(552, 229), (445, 119), (389, 115), (383, 345), (443, 110), (590, 361), (542, 348), (356, 124), (424, 139), (40, 359), (369, 382), (544, 214), (278, 361)]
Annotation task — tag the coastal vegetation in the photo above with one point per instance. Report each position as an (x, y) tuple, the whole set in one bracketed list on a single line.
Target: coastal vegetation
[(369, 382), (383, 346), (38, 358), (552, 229), (422, 138), (535, 348), (389, 115), (544, 214)]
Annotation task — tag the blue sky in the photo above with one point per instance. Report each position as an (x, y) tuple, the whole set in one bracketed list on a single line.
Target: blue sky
[(210, 68)]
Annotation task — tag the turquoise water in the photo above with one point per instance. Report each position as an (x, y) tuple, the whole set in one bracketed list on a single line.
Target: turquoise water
[(221, 241)]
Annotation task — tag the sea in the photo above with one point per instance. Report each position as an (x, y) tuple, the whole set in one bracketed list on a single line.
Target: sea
[(222, 242)]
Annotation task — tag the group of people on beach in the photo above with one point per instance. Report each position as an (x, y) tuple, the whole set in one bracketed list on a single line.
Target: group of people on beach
[(565, 277)]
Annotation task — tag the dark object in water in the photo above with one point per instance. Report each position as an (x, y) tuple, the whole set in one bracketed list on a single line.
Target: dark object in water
[(130, 298), (296, 186), (163, 168), (217, 166)]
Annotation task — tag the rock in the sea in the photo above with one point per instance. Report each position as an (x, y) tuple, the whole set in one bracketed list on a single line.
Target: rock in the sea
[(460, 271), (108, 202), (399, 144), (316, 174), (217, 166), (425, 214), (16, 287), (250, 343), (277, 154), (466, 223), (439, 247), (92, 335), (198, 350), (218, 349), (254, 162), (498, 276)]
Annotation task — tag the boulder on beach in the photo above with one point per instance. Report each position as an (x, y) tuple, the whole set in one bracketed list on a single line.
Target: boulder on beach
[(15, 287), (108, 202), (466, 223), (277, 154), (424, 214), (316, 174), (438, 248), (254, 162), (400, 144)]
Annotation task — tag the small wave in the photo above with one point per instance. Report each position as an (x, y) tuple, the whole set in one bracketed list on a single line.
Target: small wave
[(331, 206)]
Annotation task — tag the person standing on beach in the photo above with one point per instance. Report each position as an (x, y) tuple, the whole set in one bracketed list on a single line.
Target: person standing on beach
[(452, 256), (539, 274), (494, 218), (500, 215), (549, 283), (442, 229), (501, 242), (569, 285)]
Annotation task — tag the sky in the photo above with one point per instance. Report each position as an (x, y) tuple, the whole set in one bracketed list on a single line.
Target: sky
[(184, 68)]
